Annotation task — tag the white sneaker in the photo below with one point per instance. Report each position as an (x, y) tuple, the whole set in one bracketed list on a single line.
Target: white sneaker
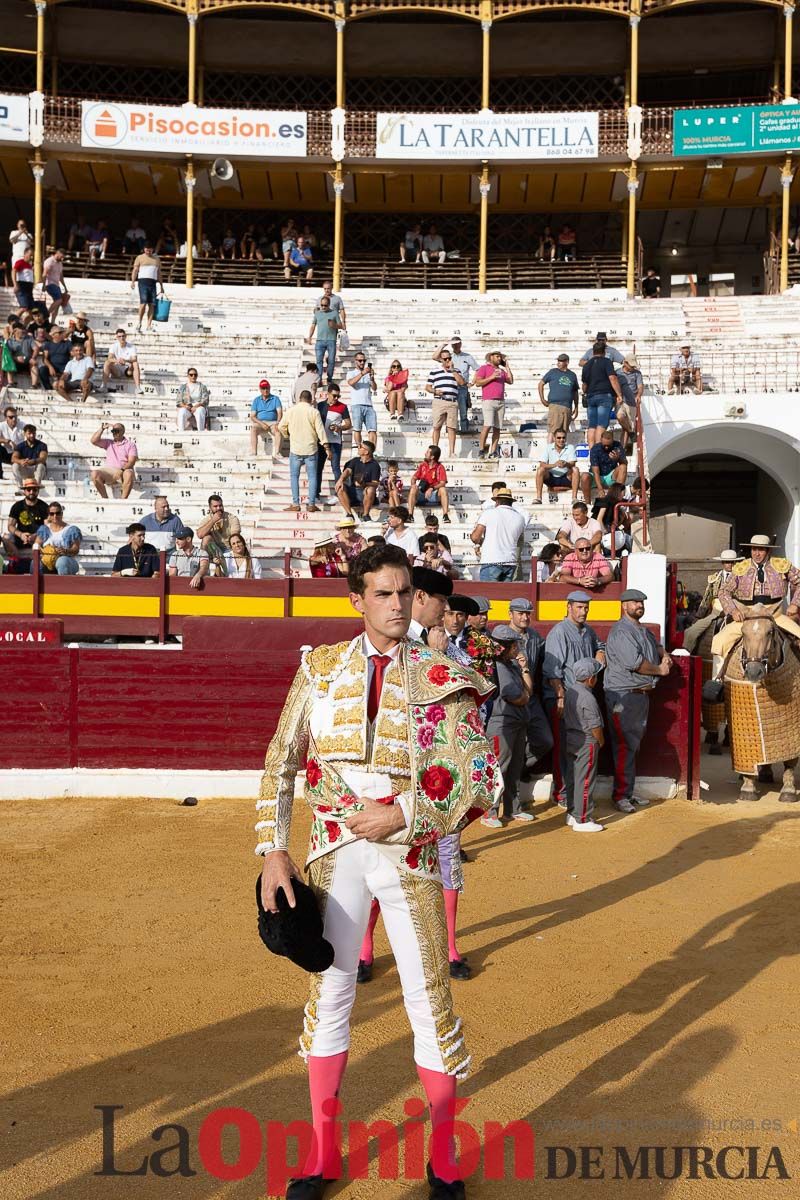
[(570, 819), (586, 826), (523, 816), (492, 822)]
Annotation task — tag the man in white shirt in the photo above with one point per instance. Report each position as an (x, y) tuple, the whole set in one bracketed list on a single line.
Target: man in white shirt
[(502, 485), (685, 371), (10, 434), (432, 245), (498, 533), (579, 525), (77, 375), (20, 238), (122, 360), (466, 366), (398, 535), (558, 468)]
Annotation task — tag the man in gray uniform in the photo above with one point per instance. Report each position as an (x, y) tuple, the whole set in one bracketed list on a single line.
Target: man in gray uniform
[(509, 722), (566, 642), (636, 661), (531, 643), (583, 727)]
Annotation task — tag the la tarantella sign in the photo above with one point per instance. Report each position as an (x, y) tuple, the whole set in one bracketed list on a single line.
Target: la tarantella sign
[(487, 135), (190, 130)]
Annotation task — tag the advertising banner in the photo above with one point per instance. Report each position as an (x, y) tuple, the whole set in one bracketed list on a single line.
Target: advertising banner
[(14, 119), (522, 136), (167, 129), (746, 129)]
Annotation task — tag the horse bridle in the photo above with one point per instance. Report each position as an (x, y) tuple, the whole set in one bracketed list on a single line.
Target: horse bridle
[(764, 660)]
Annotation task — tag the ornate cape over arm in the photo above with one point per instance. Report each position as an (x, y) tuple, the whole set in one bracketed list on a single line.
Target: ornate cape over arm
[(793, 581), (286, 756), (728, 590)]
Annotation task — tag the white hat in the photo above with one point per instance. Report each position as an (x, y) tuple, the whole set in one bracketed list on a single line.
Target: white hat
[(728, 556), (761, 542)]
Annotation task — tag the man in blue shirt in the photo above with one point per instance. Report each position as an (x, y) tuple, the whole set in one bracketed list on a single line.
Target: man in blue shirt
[(266, 414), (300, 262), (562, 398), (161, 521), (607, 464)]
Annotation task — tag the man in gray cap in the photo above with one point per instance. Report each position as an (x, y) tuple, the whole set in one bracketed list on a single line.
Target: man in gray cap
[(636, 661), (566, 642), (481, 618), (509, 722), (531, 642), (583, 727)]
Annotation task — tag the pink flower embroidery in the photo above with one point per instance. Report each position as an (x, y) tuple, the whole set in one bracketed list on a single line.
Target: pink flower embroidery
[(425, 736), (435, 713)]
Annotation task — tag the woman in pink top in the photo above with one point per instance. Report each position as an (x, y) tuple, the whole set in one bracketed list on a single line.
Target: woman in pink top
[(492, 378), (395, 385)]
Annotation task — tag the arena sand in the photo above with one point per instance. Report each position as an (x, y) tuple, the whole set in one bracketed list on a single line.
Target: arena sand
[(637, 987)]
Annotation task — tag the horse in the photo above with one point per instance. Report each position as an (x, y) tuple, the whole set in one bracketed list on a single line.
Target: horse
[(762, 701)]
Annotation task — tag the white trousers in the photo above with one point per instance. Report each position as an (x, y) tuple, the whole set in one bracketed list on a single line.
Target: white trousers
[(361, 871), (185, 416)]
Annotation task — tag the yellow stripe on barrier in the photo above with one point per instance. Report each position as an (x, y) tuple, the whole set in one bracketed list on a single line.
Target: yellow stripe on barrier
[(599, 610), (500, 610), (318, 606), (225, 606), (17, 603), (67, 604)]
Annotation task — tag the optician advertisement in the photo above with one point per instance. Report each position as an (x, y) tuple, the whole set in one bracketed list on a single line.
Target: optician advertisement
[(525, 136), (234, 132), (746, 129), (14, 119)]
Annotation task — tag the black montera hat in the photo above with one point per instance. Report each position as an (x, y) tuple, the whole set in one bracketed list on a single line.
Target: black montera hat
[(295, 933)]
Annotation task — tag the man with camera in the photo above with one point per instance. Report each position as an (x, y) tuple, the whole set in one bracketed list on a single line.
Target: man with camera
[(361, 381), (492, 378)]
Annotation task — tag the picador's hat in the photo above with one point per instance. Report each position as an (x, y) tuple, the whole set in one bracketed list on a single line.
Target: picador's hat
[(760, 541)]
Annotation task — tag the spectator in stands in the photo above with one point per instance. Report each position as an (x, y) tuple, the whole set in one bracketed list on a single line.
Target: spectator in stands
[(77, 375), (266, 414), (239, 562), (685, 371), (607, 464), (288, 239), (138, 558), (558, 468), (361, 381), (20, 238), (601, 391), (135, 238), (82, 335), (162, 523), (307, 381), (547, 246), (579, 525), (429, 481), (492, 378), (358, 482), (411, 245), (632, 383), (29, 458), (336, 419), (395, 385), (603, 510), (567, 244), (498, 533), (337, 304), (585, 566), (188, 561), (443, 384), (97, 242), (168, 239), (22, 278), (548, 567), (391, 487), (432, 526), (216, 532), (611, 352), (651, 285), (146, 273), (561, 401), (59, 544), (192, 403), (348, 540), (397, 532), (121, 457), (301, 262), (122, 361), (54, 283), (20, 346), (466, 366), (307, 435), (11, 434), (249, 245), (50, 357), (432, 554), (433, 246), (325, 329), (25, 518), (79, 232), (326, 560), (227, 248)]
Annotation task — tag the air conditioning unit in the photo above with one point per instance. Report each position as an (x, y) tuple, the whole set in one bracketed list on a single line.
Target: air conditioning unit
[(736, 410)]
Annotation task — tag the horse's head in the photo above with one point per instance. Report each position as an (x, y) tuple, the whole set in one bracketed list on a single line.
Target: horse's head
[(760, 642)]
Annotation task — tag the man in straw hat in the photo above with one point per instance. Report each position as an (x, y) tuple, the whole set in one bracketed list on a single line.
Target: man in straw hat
[(710, 609), (759, 579), (498, 532)]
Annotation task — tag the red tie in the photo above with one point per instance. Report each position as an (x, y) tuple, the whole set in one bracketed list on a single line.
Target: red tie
[(379, 664)]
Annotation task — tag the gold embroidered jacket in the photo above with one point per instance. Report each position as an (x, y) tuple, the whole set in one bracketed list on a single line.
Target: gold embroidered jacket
[(780, 579), (427, 742)]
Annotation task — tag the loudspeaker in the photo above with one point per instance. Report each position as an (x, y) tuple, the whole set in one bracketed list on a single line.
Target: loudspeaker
[(221, 169)]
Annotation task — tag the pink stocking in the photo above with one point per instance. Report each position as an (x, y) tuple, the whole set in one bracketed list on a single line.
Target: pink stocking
[(451, 912), (324, 1081), (440, 1090), (366, 954)]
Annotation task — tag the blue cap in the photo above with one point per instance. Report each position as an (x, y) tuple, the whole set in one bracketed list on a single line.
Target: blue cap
[(586, 668), (578, 596)]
